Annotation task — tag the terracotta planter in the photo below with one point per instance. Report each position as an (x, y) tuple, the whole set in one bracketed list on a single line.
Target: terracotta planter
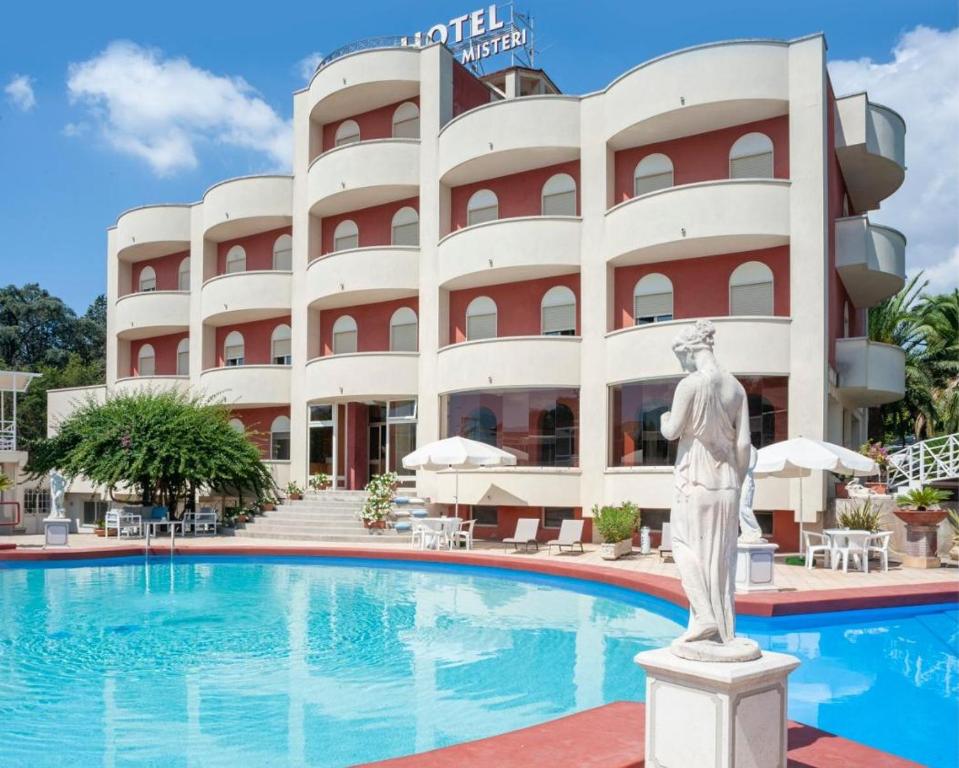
[(267, 506), (375, 524), (101, 532), (922, 536), (879, 488), (295, 496)]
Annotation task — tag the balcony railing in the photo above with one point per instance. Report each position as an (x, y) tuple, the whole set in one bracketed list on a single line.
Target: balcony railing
[(8, 435)]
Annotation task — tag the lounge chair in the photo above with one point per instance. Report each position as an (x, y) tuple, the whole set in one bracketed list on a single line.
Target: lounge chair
[(526, 529), (570, 535), (666, 542)]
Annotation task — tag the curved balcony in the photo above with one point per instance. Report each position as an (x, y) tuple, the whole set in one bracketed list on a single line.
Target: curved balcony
[(702, 219), (871, 147), (509, 361), (153, 313), (510, 486), (509, 136), (153, 231), (363, 174), (870, 373), (747, 346), (697, 89), (508, 250), (242, 297), (363, 81), (363, 376), (248, 385), (870, 259), (131, 384), (655, 487), (247, 205), (363, 276)]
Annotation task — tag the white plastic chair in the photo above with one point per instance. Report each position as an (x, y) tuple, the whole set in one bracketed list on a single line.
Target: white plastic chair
[(570, 535), (854, 545), (526, 528), (817, 544), (666, 542), (464, 534), (125, 522), (878, 544)]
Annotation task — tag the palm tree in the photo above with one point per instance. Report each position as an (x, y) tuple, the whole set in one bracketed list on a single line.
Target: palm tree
[(940, 329)]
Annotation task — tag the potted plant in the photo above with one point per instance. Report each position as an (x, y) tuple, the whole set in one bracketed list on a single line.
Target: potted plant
[(920, 509), (320, 481), (266, 503), (879, 454), (864, 517), (293, 491), (100, 529), (379, 500), (616, 524), (228, 517)]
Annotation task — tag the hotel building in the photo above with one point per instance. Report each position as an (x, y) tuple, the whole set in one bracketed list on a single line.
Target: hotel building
[(486, 256)]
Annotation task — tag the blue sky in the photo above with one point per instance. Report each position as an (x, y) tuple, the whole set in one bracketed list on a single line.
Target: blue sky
[(76, 148)]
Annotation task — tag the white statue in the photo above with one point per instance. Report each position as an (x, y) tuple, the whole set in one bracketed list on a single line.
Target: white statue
[(749, 530), (710, 418), (58, 487)]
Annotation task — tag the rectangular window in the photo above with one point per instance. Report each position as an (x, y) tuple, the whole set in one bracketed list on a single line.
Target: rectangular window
[(147, 366), (93, 511), (407, 234), (344, 342), (183, 281), (559, 321), (281, 352), (486, 516), (480, 215), (765, 520), (403, 337), (36, 501), (148, 284), (553, 517), (322, 413), (653, 308), (560, 204), (752, 167), (407, 129), (645, 184), (346, 242), (654, 518), (234, 356), (280, 446), (755, 299), (183, 363), (481, 327)]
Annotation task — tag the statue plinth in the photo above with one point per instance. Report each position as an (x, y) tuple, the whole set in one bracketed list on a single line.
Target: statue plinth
[(754, 566), (56, 531)]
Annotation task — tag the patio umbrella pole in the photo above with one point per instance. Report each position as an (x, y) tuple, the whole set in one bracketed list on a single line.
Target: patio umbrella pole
[(802, 518), (456, 494)]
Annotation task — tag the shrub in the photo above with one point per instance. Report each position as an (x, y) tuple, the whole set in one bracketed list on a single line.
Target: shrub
[(293, 489), (921, 499), (616, 523), (862, 518), (379, 497), (320, 481)]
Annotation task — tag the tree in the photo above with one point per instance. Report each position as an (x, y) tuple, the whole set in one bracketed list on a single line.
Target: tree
[(161, 446)]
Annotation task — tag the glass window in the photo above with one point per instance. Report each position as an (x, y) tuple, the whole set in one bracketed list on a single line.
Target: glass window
[(344, 335), (402, 409), (183, 275), (538, 426), (234, 349), (146, 361), (482, 206), (652, 172), (559, 196), (481, 319), (283, 253), (280, 439), (751, 157), (346, 235), (235, 260), (558, 312), (485, 516), (36, 501), (403, 330), (323, 413), (347, 132), (654, 518), (406, 121), (148, 280), (553, 517), (751, 290), (653, 299), (280, 343), (406, 226), (183, 358), (94, 511), (765, 520)]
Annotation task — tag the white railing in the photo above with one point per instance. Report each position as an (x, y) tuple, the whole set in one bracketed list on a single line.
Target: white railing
[(925, 462), (8, 435)]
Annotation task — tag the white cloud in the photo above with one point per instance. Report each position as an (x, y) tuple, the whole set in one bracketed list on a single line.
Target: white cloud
[(163, 109), (20, 93), (308, 64), (920, 82)]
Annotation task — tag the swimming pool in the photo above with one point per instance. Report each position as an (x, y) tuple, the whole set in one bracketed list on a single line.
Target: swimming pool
[(232, 661)]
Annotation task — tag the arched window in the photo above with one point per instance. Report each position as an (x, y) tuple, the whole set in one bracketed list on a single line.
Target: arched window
[(347, 132), (146, 361), (280, 345), (652, 172), (237, 425), (751, 289), (482, 206), (283, 253), (406, 121), (235, 260), (481, 319), (558, 312), (559, 196), (403, 330), (183, 275), (751, 157), (280, 439), (653, 299), (344, 335), (406, 226), (480, 425), (234, 349), (183, 357), (148, 279), (346, 235)]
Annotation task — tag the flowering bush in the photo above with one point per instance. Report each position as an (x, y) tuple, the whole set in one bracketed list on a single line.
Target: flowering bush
[(320, 481), (878, 453), (379, 497)]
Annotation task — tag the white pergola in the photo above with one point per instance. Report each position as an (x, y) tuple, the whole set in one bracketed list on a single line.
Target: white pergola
[(12, 384)]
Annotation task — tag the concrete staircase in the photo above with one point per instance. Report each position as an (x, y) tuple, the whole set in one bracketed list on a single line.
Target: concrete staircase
[(331, 516)]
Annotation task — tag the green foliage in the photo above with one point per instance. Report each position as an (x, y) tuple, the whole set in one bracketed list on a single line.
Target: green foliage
[(865, 517), (616, 523), (922, 499), (954, 521), (162, 446), (320, 481), (379, 497), (293, 489), (5, 483)]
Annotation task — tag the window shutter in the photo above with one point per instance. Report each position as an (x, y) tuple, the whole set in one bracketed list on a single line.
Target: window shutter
[(755, 299), (234, 355), (283, 259), (281, 350), (561, 204), (752, 167), (407, 234), (644, 184), (479, 215), (481, 327), (346, 242), (559, 319), (407, 129), (344, 342), (654, 305), (183, 281), (403, 338), (147, 366), (183, 363)]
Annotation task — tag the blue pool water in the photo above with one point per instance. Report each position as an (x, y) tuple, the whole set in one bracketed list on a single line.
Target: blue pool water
[(286, 662)]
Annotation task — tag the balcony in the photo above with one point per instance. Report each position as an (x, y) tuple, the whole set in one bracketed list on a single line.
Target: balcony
[(747, 346), (702, 219), (699, 89), (246, 206), (870, 373), (871, 147), (870, 259), (510, 486), (363, 376), (241, 297), (156, 384), (508, 250), (152, 313), (153, 231), (655, 487), (509, 361), (248, 385), (363, 276), (363, 174), (509, 136)]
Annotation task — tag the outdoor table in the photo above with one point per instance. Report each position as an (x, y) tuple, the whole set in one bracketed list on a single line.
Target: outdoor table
[(172, 525), (443, 526), (840, 538)]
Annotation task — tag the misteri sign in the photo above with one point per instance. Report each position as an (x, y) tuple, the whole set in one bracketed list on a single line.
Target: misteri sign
[(473, 36)]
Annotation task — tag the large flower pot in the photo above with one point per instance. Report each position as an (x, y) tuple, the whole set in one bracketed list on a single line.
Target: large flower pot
[(880, 488), (615, 550), (922, 539), (375, 524)]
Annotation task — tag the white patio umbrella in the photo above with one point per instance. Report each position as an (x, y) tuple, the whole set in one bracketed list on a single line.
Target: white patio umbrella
[(801, 456), (457, 453)]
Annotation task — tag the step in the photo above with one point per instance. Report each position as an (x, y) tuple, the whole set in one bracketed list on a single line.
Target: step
[(358, 538), (333, 529)]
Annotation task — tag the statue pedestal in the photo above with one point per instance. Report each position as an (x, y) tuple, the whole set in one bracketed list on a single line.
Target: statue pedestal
[(754, 567), (714, 714), (56, 532)]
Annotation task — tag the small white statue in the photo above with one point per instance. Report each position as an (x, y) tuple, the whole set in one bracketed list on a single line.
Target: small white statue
[(856, 490), (710, 418), (58, 487), (749, 530)]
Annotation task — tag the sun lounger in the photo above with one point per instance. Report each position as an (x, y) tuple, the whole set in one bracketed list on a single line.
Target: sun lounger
[(526, 528), (570, 535)]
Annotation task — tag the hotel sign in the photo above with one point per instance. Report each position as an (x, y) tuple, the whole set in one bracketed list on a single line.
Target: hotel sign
[(473, 36)]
